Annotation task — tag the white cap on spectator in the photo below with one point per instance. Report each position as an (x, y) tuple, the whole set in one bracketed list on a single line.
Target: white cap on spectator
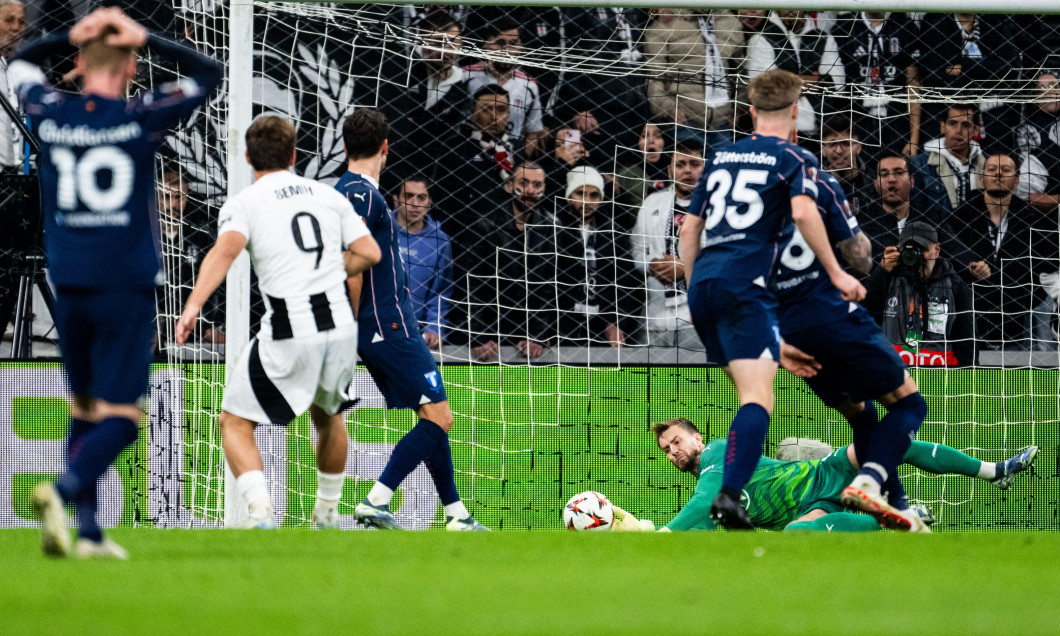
[(583, 176)]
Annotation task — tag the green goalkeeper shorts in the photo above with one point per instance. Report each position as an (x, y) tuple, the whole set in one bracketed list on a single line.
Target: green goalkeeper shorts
[(833, 474)]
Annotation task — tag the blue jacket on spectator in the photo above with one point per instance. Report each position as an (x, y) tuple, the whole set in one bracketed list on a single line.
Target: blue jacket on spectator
[(428, 259)]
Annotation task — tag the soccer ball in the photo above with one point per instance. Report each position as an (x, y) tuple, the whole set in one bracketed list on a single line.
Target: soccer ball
[(588, 511)]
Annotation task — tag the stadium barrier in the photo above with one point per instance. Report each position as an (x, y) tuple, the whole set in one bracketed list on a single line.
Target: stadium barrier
[(532, 437)]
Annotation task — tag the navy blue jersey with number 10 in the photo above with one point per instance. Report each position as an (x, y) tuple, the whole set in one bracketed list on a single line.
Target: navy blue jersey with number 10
[(744, 197), (97, 166), (806, 295)]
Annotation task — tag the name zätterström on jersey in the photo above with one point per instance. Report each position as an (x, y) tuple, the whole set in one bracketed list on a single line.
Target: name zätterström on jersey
[(745, 157), (51, 133)]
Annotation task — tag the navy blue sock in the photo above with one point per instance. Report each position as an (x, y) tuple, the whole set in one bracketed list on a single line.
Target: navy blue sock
[(747, 435), (98, 449), (88, 527), (895, 491), (862, 425), (75, 439), (893, 437), (440, 464), (413, 448)]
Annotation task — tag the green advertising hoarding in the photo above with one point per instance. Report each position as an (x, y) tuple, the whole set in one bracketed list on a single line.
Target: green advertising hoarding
[(525, 440)]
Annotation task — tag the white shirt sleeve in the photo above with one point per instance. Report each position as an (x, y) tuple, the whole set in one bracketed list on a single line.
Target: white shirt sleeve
[(233, 217), (22, 75)]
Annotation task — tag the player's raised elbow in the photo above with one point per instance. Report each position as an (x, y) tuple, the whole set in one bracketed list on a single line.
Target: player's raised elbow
[(802, 207)]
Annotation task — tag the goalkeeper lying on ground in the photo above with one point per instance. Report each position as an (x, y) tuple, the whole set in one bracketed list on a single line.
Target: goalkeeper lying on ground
[(797, 495)]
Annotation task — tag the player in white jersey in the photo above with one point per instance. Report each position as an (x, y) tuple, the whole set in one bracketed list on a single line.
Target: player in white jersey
[(304, 240)]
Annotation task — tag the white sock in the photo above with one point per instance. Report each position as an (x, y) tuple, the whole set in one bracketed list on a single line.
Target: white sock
[(456, 510), (329, 489), (988, 470), (251, 485), (879, 469), (380, 495)]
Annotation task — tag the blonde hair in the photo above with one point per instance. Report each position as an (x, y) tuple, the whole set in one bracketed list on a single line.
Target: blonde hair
[(661, 427), (774, 90), (97, 55)]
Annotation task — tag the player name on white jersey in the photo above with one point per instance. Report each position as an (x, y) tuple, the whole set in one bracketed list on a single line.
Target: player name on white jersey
[(745, 157), (296, 230)]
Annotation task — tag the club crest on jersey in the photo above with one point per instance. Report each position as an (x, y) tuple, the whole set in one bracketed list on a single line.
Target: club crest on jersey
[(432, 379), (813, 173)]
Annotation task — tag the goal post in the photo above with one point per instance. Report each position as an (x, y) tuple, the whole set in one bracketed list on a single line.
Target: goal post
[(530, 432)]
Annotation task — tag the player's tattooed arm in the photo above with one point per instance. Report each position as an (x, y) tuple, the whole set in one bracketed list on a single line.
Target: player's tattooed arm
[(857, 252)]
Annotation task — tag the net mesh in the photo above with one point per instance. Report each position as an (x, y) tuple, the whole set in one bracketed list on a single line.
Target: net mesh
[(527, 288)]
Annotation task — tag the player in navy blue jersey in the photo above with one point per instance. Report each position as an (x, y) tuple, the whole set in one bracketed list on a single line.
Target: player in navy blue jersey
[(856, 363), (389, 339), (97, 166), (746, 200)]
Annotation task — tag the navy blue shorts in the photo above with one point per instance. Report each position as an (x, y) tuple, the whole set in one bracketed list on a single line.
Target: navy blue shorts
[(735, 319), (405, 372), (105, 336), (857, 361)]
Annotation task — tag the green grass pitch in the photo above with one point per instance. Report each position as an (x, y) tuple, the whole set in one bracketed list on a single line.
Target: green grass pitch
[(300, 581)]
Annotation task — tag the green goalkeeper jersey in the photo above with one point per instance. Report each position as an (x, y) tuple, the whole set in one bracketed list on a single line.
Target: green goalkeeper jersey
[(777, 494)]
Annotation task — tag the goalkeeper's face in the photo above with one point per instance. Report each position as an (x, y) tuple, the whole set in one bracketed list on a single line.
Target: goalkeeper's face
[(682, 448)]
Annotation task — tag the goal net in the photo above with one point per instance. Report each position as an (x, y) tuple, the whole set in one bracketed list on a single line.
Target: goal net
[(510, 118)]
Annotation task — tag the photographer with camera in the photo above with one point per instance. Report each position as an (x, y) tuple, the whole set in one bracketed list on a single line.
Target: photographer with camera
[(920, 301)]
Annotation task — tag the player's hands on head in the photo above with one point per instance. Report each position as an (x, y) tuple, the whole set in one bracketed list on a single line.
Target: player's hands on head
[(625, 522), (129, 33), (849, 287), (91, 25), (798, 362)]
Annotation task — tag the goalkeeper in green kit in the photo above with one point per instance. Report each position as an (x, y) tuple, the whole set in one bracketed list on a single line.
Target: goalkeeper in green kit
[(797, 495)]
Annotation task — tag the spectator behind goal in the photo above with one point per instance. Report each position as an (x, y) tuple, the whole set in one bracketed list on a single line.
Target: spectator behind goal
[(920, 302), (427, 256)]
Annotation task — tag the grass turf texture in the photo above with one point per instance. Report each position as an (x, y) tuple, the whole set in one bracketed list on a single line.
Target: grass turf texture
[(300, 581)]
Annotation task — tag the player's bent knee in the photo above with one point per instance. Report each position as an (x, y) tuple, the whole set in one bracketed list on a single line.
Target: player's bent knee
[(102, 410), (231, 423), (439, 413), (850, 409), (915, 408)]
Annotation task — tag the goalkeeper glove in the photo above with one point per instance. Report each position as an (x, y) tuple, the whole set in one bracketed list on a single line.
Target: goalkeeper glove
[(625, 522)]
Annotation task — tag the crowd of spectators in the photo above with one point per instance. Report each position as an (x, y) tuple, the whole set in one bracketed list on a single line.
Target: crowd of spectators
[(540, 204)]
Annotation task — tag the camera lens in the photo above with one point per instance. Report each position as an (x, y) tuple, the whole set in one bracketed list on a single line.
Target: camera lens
[(910, 255)]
